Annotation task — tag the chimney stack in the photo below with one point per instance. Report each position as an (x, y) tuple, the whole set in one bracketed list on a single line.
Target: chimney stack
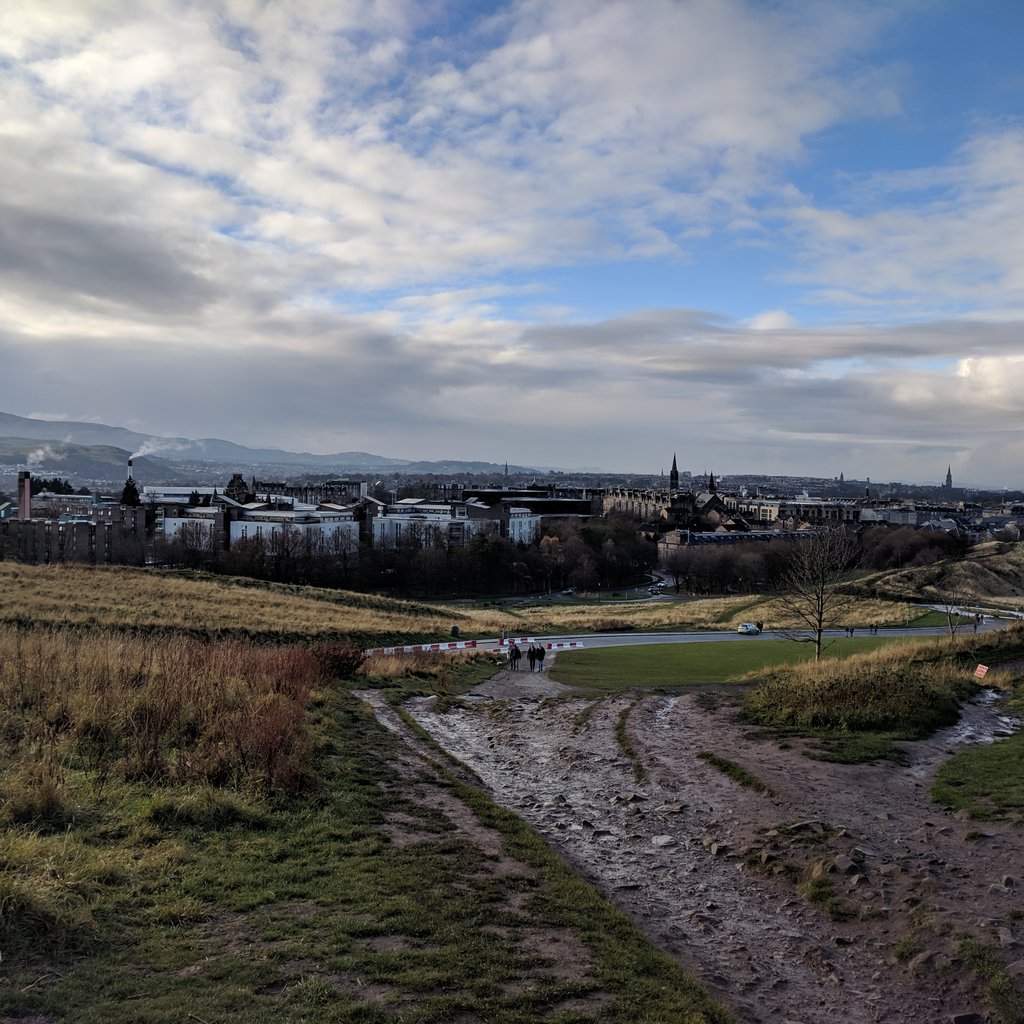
[(25, 495), (129, 467)]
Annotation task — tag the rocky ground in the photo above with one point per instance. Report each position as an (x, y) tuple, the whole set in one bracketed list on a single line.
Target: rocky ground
[(721, 876)]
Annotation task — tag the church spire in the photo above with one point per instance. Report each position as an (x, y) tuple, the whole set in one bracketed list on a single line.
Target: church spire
[(949, 478), (673, 476)]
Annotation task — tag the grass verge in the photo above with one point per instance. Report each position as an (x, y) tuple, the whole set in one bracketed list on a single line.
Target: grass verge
[(987, 781)]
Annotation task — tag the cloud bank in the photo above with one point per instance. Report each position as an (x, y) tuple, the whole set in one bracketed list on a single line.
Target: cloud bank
[(332, 227)]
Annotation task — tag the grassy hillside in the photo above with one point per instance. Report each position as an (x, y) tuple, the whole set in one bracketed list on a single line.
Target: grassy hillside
[(993, 572), (221, 606)]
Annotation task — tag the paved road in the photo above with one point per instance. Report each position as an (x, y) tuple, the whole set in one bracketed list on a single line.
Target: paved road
[(632, 639)]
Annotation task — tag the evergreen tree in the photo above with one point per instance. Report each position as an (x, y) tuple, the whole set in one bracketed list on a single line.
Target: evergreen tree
[(130, 494)]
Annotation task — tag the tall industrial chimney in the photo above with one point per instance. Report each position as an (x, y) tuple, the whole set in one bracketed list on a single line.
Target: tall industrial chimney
[(129, 467), (25, 495)]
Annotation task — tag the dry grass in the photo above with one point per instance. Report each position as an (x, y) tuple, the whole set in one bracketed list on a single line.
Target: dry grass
[(166, 710), (149, 600), (206, 605), (993, 572)]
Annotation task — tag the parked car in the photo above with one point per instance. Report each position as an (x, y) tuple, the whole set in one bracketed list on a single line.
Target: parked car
[(748, 628), (654, 590), (569, 590)]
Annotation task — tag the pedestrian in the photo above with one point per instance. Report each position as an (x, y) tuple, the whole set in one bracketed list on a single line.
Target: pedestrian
[(531, 656), (514, 654), (540, 657)]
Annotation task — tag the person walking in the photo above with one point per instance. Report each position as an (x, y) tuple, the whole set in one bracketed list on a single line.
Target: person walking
[(514, 654), (531, 656), (540, 657)]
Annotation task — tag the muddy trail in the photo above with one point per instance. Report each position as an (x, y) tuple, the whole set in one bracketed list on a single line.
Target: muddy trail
[(718, 874)]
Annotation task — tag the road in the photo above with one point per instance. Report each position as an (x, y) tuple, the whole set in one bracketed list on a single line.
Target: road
[(632, 639)]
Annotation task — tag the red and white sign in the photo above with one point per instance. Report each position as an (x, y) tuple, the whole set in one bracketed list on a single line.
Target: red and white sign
[(564, 646), (981, 671)]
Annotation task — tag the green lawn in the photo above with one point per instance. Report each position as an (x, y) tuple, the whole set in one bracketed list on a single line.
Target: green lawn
[(614, 668)]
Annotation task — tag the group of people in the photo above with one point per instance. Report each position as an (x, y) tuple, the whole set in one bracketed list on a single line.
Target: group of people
[(534, 655)]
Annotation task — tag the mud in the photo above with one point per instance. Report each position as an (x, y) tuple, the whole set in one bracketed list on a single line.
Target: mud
[(713, 871)]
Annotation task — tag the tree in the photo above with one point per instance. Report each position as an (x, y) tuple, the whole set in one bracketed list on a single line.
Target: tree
[(130, 494), (813, 587), (954, 595)]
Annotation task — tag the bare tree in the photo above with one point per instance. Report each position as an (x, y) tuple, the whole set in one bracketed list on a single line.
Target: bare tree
[(954, 595), (813, 587)]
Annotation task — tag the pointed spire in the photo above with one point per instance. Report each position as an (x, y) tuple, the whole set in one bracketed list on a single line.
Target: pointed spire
[(673, 477), (711, 484)]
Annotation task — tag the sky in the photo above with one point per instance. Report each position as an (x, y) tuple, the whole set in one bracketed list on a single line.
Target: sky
[(768, 236)]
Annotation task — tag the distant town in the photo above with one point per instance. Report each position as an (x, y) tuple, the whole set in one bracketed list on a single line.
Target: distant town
[(503, 532)]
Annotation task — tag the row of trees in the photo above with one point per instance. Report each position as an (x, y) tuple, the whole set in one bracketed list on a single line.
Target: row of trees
[(606, 553), (757, 566)]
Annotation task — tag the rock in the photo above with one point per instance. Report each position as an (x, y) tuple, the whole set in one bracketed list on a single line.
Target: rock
[(718, 849), (884, 816), (815, 827), (1016, 971), (998, 890), (664, 841), (865, 851), (966, 1018), (889, 869), (1005, 937), (843, 863), (962, 815), (1009, 881), (921, 961)]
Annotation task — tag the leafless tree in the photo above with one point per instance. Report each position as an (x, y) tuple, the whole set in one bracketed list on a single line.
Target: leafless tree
[(954, 595), (813, 587)]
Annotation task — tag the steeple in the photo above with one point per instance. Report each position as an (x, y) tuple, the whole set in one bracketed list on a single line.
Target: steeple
[(949, 478), (711, 484), (673, 476)]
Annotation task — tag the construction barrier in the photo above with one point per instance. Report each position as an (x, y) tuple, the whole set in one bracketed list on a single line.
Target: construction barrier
[(460, 645), (564, 646), (515, 640)]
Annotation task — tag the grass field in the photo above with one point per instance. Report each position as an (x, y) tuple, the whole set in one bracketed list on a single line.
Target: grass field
[(690, 664)]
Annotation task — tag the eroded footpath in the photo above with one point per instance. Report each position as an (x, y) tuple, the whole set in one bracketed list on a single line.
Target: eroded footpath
[(711, 870)]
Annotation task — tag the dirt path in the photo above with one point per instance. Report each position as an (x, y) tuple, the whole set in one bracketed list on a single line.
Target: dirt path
[(700, 863)]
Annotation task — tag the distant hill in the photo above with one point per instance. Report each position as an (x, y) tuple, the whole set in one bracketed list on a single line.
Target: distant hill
[(98, 452)]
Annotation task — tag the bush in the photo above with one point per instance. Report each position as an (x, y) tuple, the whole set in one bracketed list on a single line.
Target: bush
[(338, 661)]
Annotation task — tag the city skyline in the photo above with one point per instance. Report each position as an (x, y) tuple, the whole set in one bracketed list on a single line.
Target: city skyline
[(788, 234)]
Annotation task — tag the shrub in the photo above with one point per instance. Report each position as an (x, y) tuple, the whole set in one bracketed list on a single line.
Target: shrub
[(339, 661)]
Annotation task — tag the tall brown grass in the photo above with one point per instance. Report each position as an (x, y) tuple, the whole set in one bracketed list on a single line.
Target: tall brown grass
[(167, 710)]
